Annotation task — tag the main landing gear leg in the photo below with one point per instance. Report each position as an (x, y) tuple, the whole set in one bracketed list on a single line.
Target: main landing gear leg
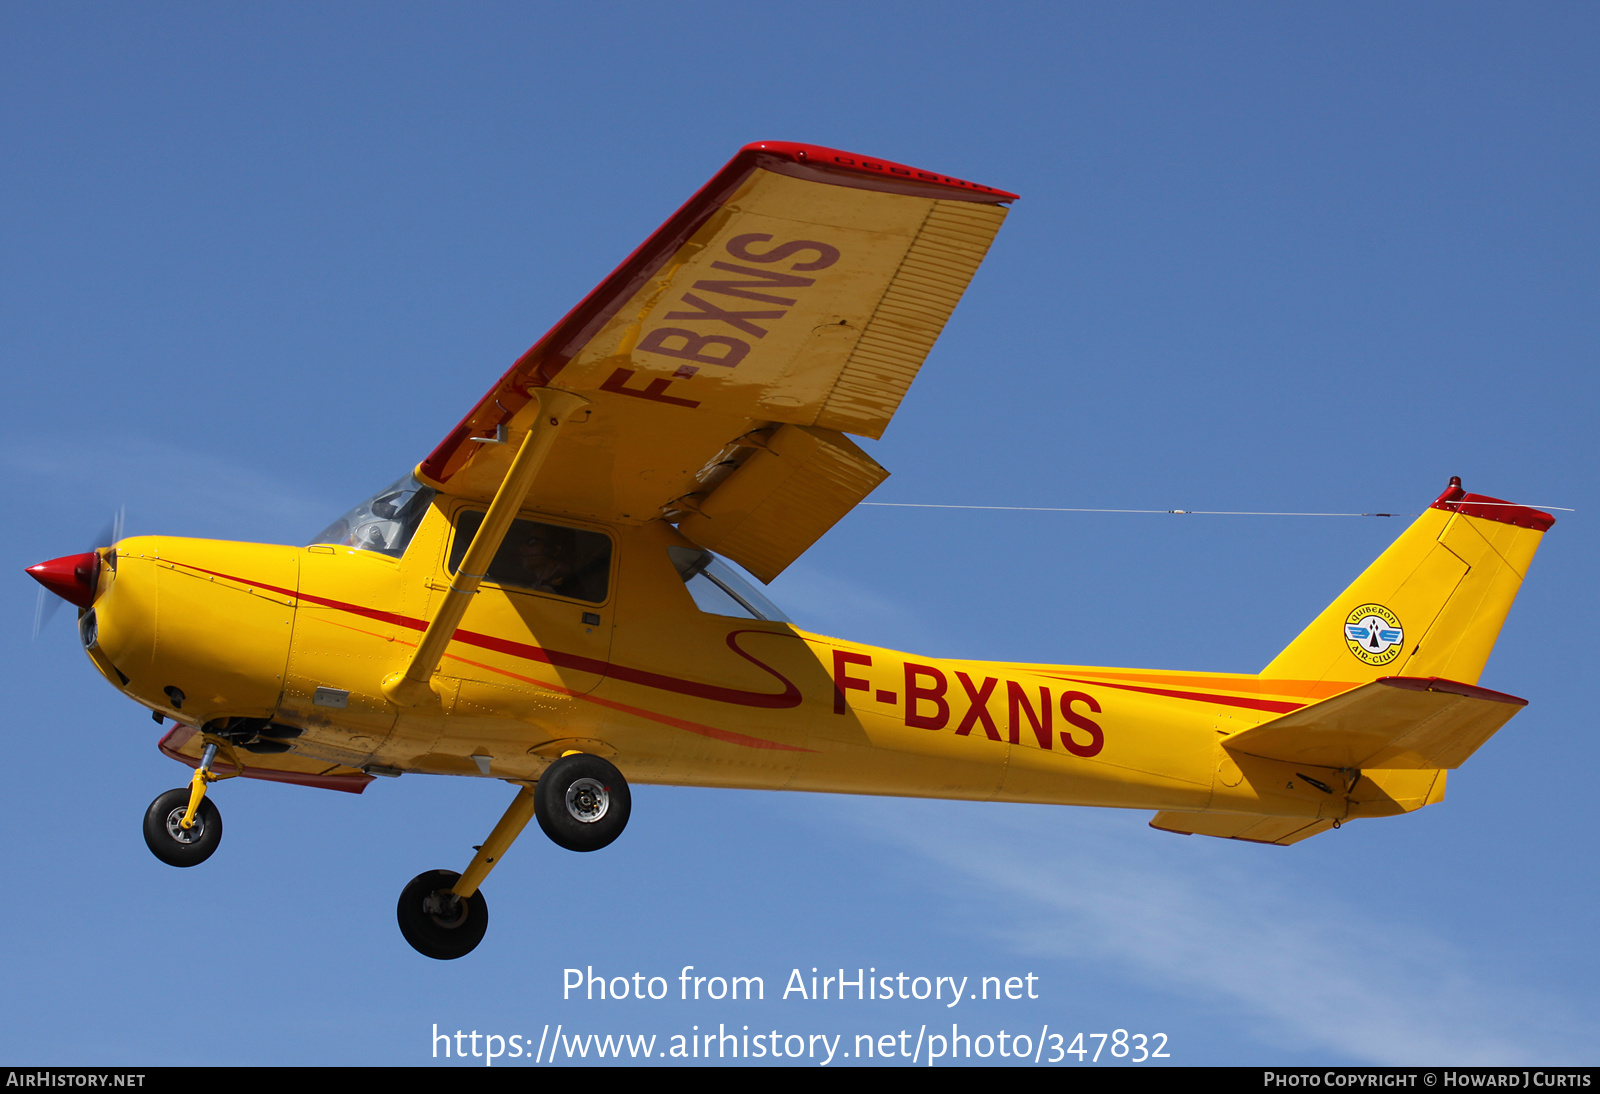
[(441, 913)]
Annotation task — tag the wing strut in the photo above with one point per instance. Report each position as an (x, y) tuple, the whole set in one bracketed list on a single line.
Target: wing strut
[(410, 687)]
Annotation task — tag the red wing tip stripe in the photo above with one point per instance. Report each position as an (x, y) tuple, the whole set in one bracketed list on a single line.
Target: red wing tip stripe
[(815, 155)]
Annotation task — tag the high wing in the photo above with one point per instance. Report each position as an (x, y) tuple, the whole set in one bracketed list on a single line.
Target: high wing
[(789, 302)]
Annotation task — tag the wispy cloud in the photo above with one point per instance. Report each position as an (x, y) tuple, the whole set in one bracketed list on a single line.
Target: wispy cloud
[(1311, 966), (181, 489), (829, 604)]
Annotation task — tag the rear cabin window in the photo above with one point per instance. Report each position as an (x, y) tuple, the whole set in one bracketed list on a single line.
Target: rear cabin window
[(717, 590), (542, 558)]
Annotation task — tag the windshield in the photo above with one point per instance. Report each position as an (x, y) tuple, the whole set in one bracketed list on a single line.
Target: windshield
[(384, 522)]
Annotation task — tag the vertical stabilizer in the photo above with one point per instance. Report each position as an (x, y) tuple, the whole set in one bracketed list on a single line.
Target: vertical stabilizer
[(1432, 604)]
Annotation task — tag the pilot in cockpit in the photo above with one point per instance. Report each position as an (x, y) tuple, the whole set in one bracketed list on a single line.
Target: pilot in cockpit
[(547, 562)]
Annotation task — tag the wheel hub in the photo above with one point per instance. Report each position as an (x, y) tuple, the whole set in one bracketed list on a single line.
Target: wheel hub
[(183, 835), (587, 801), (445, 908)]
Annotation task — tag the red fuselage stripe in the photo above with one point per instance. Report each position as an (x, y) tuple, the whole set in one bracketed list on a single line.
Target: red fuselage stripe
[(639, 712), (790, 697), (1273, 705)]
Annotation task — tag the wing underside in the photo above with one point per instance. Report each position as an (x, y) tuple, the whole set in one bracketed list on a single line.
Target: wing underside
[(790, 302)]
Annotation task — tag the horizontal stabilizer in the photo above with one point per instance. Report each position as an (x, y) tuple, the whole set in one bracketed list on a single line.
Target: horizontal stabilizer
[(1279, 830), (1395, 722)]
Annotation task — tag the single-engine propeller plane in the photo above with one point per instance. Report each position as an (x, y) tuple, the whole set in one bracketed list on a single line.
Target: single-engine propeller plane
[(542, 601)]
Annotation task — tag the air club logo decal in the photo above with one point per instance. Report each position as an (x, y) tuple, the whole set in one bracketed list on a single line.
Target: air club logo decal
[(1374, 634)]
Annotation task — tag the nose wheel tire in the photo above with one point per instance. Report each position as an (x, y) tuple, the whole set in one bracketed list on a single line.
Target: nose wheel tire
[(582, 802), (436, 922), (174, 844)]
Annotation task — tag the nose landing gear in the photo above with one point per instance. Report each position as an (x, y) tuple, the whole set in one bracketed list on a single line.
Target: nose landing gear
[(170, 841), (181, 827)]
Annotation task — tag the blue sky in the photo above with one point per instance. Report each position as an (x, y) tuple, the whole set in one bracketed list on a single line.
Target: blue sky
[(257, 262)]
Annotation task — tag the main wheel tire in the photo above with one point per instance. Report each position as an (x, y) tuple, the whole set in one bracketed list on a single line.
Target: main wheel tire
[(582, 802), (437, 924), (173, 844)]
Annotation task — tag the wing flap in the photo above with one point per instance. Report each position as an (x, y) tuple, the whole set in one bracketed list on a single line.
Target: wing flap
[(782, 498), (1396, 722)]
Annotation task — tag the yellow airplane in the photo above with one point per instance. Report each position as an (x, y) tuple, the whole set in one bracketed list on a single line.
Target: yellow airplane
[(539, 601)]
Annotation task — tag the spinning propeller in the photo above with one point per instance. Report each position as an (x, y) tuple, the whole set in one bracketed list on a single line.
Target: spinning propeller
[(72, 577)]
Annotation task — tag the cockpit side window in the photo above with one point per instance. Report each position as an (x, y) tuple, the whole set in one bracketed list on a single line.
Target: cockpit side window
[(542, 558), (718, 590), (384, 522)]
